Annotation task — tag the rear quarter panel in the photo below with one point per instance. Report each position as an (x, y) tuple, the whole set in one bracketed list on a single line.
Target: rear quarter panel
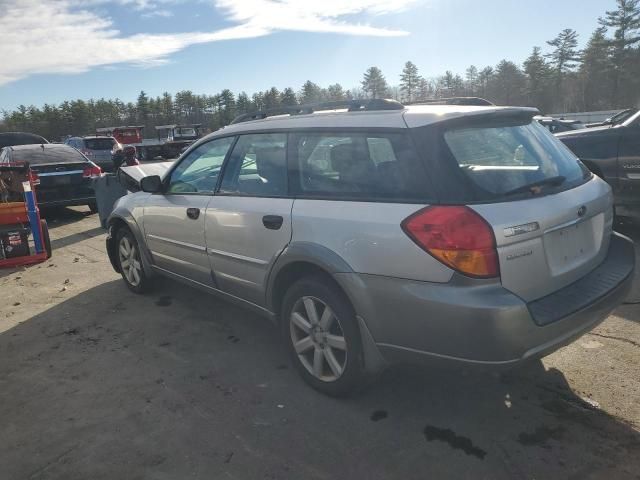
[(368, 237)]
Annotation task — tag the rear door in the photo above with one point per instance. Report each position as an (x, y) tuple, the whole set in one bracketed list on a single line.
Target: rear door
[(552, 220), (248, 222), (174, 220)]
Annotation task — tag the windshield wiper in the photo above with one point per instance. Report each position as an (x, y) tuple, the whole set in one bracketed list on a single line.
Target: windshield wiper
[(532, 187)]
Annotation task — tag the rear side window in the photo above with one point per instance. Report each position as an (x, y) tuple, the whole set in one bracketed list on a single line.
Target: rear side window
[(360, 166), (501, 159), (98, 143)]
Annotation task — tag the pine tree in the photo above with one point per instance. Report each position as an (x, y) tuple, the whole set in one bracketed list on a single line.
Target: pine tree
[(595, 72), (471, 80), (565, 55), (243, 104), (310, 93), (335, 92), (538, 74), (625, 21), (288, 97), (374, 84), (409, 82), (509, 83)]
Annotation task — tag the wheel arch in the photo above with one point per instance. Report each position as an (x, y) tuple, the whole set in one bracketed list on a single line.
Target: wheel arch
[(117, 221), (300, 259)]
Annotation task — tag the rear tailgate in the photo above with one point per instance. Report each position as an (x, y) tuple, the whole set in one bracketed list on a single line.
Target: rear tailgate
[(62, 181), (549, 242)]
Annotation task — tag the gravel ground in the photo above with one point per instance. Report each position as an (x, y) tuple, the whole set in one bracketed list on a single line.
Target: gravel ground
[(98, 383)]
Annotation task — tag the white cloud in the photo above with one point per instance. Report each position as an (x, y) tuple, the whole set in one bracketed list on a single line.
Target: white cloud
[(71, 36), (157, 13)]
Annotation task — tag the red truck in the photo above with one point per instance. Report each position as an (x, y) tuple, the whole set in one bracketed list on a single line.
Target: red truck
[(172, 139)]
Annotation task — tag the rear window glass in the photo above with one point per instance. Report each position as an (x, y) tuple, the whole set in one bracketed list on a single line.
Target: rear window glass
[(48, 155), (367, 166), (499, 160), (98, 143)]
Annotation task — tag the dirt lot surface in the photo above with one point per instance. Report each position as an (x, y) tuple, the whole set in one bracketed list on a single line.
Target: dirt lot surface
[(98, 383)]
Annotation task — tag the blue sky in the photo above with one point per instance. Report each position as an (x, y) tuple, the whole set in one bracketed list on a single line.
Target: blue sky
[(99, 48)]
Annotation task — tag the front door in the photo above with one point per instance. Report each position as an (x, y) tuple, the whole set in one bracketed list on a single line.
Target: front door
[(174, 220), (248, 222)]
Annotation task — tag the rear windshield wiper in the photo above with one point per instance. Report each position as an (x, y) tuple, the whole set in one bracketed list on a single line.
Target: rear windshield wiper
[(533, 186)]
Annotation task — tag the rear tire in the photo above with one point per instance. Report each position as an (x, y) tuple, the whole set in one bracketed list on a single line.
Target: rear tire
[(46, 240), (321, 334), (130, 262)]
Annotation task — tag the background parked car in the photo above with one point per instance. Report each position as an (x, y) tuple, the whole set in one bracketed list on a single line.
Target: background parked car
[(65, 174), (98, 149), (557, 125), (20, 138), (613, 153)]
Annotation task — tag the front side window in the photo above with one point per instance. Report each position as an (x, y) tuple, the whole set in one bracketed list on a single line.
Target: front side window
[(198, 172), (367, 166), (257, 166), (502, 159)]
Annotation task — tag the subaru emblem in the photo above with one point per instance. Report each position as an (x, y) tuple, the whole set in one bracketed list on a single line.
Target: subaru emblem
[(581, 211)]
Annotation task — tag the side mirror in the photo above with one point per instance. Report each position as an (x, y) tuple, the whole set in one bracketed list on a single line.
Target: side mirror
[(151, 184)]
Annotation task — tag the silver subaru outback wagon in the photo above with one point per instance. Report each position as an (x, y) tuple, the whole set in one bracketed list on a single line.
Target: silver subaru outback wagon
[(381, 233)]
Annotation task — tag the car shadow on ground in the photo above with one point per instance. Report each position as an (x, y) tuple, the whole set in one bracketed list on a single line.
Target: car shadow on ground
[(109, 384), (60, 216)]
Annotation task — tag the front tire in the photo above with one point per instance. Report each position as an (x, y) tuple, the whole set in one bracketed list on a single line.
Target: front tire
[(321, 333), (93, 207), (130, 262)]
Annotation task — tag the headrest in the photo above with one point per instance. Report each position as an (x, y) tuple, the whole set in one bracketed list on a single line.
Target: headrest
[(269, 158)]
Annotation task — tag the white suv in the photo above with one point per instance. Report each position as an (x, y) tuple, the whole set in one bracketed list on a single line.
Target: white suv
[(373, 232)]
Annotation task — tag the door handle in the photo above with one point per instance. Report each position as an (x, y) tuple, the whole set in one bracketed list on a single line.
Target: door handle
[(193, 213), (272, 222)]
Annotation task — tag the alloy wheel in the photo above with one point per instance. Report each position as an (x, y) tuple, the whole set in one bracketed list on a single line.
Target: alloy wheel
[(318, 339), (130, 261)]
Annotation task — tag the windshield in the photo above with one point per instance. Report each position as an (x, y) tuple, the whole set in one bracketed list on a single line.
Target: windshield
[(622, 116), (99, 143), (185, 132), (503, 159)]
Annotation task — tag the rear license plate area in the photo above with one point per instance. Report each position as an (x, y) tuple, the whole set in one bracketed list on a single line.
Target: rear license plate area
[(569, 247), (61, 180)]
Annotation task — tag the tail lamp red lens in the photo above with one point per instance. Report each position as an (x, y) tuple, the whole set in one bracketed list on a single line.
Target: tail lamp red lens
[(33, 176), (93, 171), (458, 237)]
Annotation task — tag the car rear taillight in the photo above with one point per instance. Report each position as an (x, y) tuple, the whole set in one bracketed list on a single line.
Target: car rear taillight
[(33, 176), (93, 171), (457, 236)]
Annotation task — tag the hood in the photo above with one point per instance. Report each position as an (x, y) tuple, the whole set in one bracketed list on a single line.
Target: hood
[(137, 172), (585, 131)]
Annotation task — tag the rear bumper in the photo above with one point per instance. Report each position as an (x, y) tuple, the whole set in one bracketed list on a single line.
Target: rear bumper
[(481, 323)]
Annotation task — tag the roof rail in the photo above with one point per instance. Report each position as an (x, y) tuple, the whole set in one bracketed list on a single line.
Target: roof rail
[(469, 101), (350, 105)]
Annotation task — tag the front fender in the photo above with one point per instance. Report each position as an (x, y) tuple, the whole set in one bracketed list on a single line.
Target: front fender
[(119, 217)]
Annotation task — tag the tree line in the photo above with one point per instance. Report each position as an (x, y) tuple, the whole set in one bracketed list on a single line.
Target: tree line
[(604, 75)]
